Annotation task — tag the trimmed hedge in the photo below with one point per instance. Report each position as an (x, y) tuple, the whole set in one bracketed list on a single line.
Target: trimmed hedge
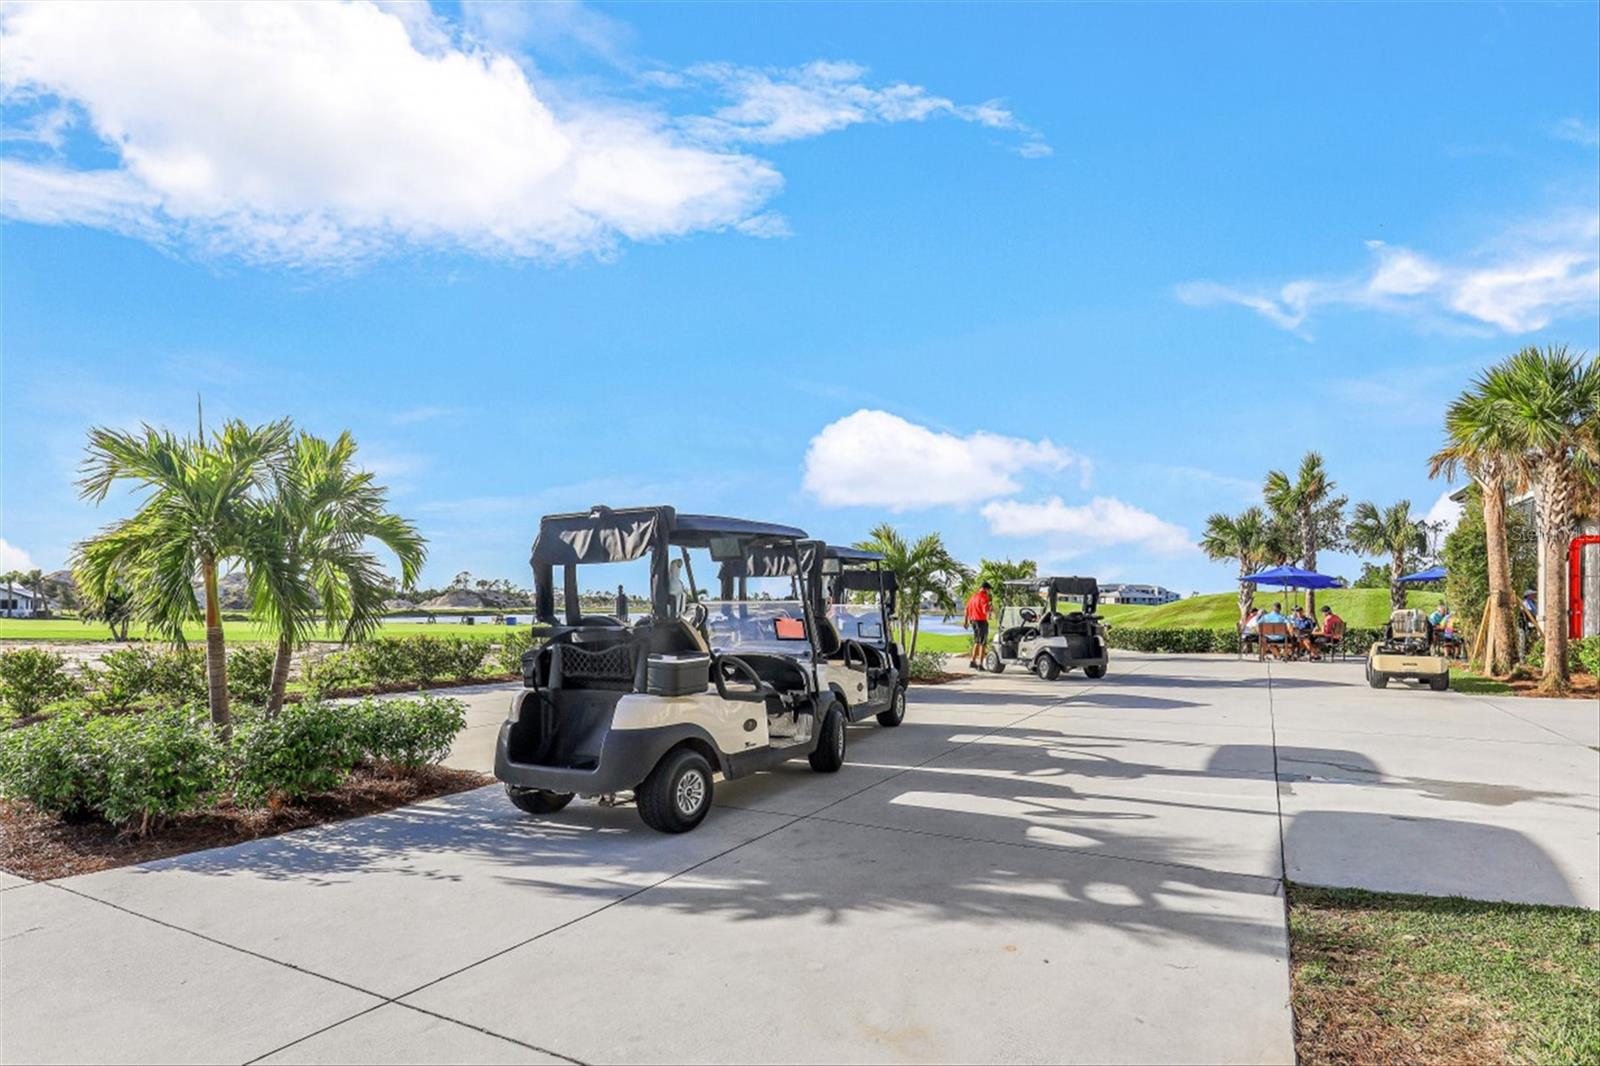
[(30, 678), (1199, 641), (388, 661), (134, 770)]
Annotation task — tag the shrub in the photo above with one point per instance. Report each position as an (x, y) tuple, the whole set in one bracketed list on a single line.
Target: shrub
[(1587, 652), (513, 645), (926, 666), (464, 657), (127, 769), (125, 677), (333, 671), (1194, 640), (409, 733), (305, 748), (156, 765), (178, 675), (53, 765), (250, 673), (31, 678)]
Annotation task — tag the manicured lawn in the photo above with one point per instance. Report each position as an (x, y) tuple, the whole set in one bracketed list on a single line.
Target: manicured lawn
[(71, 629), (1385, 977), (1220, 610), (1472, 684)]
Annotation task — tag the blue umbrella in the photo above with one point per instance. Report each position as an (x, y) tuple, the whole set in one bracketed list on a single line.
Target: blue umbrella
[(1294, 577), (1433, 573)]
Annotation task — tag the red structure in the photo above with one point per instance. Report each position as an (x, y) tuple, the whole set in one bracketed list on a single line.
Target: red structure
[(1575, 605)]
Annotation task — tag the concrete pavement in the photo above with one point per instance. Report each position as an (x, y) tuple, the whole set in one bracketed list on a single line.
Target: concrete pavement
[(1024, 871)]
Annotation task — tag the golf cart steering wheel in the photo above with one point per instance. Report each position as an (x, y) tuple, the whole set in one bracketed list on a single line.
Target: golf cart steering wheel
[(1029, 614), (725, 668)]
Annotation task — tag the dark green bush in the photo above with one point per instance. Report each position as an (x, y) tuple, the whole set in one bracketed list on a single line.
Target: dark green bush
[(30, 678), (1587, 653), (384, 661), (514, 642), (128, 769), (250, 672), (124, 677), (1195, 640), (157, 765), (178, 675), (305, 748), (926, 665), (54, 765), (334, 671), (408, 733), (463, 657)]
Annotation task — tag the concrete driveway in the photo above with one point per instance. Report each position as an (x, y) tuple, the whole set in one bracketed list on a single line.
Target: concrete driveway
[(1024, 871)]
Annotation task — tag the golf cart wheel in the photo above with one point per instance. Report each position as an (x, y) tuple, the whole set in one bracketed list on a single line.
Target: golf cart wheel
[(1377, 678), (537, 800), (677, 794), (1096, 672), (896, 712), (993, 663), (1440, 683), (829, 755), (1047, 667)]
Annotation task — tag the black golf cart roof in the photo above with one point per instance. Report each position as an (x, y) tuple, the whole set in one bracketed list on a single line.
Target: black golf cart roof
[(853, 555), (1061, 586), (618, 535)]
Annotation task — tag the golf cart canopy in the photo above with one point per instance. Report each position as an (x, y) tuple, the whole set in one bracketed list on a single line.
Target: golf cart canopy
[(618, 535), (1086, 589)]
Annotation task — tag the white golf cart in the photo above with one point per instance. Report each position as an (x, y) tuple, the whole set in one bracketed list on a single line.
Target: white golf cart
[(1055, 641), (693, 689), (864, 665)]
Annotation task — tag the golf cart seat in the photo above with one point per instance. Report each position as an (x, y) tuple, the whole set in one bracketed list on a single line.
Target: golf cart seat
[(677, 636), (830, 645)]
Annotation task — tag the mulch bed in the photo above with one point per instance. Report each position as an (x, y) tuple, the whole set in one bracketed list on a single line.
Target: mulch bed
[(41, 847), (1584, 687), (940, 678)]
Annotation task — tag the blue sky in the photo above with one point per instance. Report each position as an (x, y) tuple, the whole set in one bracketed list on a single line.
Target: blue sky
[(1056, 281)]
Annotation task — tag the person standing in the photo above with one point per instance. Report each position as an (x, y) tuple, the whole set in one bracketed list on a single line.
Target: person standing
[(978, 607), (622, 605)]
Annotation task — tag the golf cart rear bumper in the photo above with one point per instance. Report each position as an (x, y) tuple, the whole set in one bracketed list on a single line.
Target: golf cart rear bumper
[(626, 759), (1409, 667), (1067, 662)]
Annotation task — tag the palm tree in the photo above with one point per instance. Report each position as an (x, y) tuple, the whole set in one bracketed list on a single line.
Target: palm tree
[(200, 512), (1308, 509), (1393, 531), (1548, 404), (34, 581), (923, 570), (997, 572), (1250, 538), (325, 509), (11, 578), (1478, 441)]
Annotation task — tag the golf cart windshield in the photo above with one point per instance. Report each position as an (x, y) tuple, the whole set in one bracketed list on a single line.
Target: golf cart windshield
[(768, 625)]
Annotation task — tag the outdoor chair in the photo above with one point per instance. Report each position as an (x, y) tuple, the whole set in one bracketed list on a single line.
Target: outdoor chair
[(1274, 637), (1332, 643)]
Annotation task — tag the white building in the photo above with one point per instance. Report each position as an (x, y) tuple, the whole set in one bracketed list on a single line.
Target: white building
[(1144, 595), (20, 603)]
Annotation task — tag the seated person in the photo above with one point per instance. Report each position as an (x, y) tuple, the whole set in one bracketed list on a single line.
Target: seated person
[(1275, 616), (1248, 628), (1300, 628), (1329, 630)]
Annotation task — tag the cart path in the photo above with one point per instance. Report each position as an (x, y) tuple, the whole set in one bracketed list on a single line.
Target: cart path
[(1111, 851)]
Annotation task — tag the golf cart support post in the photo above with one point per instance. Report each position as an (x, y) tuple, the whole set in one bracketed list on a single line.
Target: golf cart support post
[(864, 665)]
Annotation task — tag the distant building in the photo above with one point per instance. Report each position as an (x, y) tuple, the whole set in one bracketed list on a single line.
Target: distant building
[(1144, 595), (20, 603)]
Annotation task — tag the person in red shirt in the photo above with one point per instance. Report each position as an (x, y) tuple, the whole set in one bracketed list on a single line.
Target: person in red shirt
[(978, 606)]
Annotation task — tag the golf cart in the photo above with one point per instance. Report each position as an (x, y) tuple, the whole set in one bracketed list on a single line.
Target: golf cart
[(1054, 642), (695, 688), (1407, 652), (864, 665)]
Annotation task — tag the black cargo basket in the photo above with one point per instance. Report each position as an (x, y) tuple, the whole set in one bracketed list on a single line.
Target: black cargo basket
[(610, 666)]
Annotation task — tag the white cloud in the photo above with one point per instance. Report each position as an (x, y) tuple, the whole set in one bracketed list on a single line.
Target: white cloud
[(1101, 522), (1444, 510), (325, 133), (1519, 283), (1577, 131), (769, 106), (873, 458), (14, 558)]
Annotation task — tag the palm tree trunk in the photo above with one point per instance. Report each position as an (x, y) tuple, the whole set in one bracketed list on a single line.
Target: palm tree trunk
[(1552, 500), (1500, 649), (216, 654), (1247, 598), (280, 676), (916, 628), (1311, 564), (1397, 591)]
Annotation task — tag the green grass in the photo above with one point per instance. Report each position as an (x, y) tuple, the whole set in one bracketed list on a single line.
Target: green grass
[(1220, 610), (71, 629), (1399, 978), (1463, 680)]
